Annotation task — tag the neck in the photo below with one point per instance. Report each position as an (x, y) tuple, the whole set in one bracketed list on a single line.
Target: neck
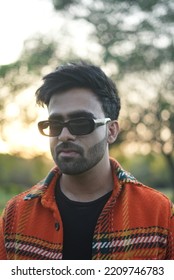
[(90, 185)]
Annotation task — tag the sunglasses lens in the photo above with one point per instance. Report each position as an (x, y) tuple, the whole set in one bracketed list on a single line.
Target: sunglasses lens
[(75, 127), (50, 128), (81, 126), (55, 129)]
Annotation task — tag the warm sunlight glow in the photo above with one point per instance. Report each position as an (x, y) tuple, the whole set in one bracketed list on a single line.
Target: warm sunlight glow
[(19, 137)]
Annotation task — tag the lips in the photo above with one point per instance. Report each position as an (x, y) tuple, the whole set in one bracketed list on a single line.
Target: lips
[(68, 150), (68, 153)]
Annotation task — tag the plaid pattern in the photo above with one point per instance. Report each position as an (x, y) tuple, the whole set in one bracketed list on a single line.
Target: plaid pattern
[(140, 243), (137, 222)]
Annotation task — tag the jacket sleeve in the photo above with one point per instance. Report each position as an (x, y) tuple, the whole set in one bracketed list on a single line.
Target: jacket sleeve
[(170, 251), (3, 255)]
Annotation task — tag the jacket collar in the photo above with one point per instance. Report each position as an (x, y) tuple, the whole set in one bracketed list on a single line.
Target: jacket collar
[(46, 187)]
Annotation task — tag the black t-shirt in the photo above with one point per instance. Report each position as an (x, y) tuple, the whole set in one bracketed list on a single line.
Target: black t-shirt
[(79, 220)]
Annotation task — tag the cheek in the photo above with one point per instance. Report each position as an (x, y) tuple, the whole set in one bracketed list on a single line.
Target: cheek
[(93, 139)]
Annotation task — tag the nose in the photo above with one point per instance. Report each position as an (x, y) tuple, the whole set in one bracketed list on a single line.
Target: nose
[(65, 135)]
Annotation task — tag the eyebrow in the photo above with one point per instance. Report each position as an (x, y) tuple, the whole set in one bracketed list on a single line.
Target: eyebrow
[(73, 115)]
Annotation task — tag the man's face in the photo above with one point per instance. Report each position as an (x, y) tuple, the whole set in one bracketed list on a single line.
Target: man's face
[(77, 154)]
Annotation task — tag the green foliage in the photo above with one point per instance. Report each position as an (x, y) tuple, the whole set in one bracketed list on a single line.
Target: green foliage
[(18, 174), (22, 172), (61, 4), (136, 35), (37, 53), (5, 69)]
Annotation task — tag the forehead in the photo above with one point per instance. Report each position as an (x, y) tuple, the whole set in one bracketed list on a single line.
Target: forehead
[(75, 100)]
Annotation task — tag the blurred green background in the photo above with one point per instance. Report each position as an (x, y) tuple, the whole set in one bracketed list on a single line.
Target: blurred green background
[(18, 174), (133, 43)]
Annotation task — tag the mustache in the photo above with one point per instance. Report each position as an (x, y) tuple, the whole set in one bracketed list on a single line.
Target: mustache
[(68, 146)]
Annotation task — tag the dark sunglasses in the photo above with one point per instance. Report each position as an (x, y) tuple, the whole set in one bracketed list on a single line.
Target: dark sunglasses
[(80, 126)]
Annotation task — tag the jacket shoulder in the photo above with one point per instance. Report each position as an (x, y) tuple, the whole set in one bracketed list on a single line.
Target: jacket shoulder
[(35, 192), (136, 189)]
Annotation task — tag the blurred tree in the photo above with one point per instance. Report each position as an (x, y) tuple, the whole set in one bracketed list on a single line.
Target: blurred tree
[(17, 76), (37, 53), (135, 35), (150, 125), (137, 41)]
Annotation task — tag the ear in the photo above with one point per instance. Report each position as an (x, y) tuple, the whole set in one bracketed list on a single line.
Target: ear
[(113, 129)]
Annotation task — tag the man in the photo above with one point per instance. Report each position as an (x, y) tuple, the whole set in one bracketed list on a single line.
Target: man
[(88, 207)]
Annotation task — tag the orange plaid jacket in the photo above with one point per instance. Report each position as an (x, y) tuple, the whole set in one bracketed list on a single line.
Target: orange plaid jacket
[(136, 223)]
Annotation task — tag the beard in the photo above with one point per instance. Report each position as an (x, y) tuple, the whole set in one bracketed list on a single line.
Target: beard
[(74, 165)]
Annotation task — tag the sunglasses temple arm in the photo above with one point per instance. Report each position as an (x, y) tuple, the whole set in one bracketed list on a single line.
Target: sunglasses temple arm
[(102, 121)]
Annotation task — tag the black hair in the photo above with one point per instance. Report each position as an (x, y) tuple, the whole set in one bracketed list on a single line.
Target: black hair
[(81, 75)]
